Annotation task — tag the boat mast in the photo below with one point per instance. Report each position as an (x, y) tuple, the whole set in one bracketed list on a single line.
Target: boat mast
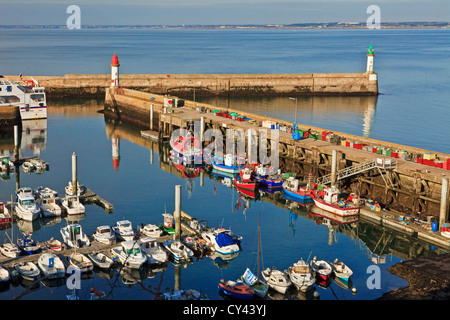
[(259, 241)]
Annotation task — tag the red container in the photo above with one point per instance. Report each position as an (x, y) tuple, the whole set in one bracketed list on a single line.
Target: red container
[(306, 134), (357, 146), (394, 154), (419, 160), (439, 164), (445, 166), (448, 161), (431, 163), (347, 143), (374, 150), (426, 162)]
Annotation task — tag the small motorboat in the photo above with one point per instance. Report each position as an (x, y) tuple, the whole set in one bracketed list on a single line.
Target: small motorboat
[(104, 234), (301, 276), (27, 245), (54, 244), (72, 205), (236, 290), (246, 180), (178, 250), (129, 253), (149, 230), (229, 164), (221, 241), (276, 279), (341, 270), (47, 202), (80, 262), (153, 250), (27, 270), (51, 266), (124, 230), (100, 260), (74, 237), (299, 191), (10, 250), (322, 269)]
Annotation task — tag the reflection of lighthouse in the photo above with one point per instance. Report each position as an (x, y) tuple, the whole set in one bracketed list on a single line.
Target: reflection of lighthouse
[(369, 114), (115, 153), (115, 71)]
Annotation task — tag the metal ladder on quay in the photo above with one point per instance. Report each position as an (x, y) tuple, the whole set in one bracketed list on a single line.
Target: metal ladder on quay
[(380, 164)]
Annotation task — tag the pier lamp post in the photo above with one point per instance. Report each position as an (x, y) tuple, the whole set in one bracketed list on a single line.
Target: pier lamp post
[(295, 108)]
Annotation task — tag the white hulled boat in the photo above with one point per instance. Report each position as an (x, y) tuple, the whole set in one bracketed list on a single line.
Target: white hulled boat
[(153, 250), (221, 241), (129, 254), (30, 98), (27, 269), (341, 270), (80, 262), (331, 202), (276, 280), (124, 230), (104, 234), (51, 266), (301, 276), (72, 205), (74, 237), (149, 230), (100, 260), (178, 250), (47, 202), (26, 207)]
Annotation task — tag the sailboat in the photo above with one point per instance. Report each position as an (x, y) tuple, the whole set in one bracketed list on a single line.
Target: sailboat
[(249, 278), (10, 250)]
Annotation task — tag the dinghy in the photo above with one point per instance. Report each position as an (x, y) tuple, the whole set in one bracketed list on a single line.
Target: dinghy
[(301, 276), (322, 269), (341, 270), (28, 270), (54, 244), (80, 262), (100, 260), (236, 290)]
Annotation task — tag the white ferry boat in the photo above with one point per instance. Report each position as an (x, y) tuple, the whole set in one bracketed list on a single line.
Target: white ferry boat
[(30, 98)]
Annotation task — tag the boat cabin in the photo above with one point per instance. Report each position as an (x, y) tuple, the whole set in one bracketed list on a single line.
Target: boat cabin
[(131, 248), (331, 195)]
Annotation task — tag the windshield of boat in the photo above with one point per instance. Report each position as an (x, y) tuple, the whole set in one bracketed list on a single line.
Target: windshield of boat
[(125, 225), (28, 202), (133, 251)]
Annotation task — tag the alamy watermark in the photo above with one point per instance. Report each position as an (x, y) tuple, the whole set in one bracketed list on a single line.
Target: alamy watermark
[(374, 21), (74, 20)]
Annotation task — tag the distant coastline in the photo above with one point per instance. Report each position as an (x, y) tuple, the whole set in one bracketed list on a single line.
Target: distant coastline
[(325, 25)]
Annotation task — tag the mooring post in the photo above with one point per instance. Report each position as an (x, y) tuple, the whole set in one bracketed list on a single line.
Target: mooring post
[(177, 212), (333, 166), (443, 211), (74, 174), (151, 117), (202, 129), (16, 142)]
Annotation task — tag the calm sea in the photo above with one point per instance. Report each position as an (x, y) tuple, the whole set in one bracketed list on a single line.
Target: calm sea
[(412, 109)]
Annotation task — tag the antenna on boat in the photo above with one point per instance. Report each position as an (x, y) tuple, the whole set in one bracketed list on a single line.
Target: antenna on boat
[(309, 256)]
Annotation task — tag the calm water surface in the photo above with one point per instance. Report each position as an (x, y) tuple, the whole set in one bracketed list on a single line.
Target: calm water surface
[(412, 110)]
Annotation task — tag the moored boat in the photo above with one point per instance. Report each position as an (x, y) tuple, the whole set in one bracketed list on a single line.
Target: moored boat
[(220, 241), (267, 180), (47, 202), (10, 250), (228, 164), (79, 262), (149, 230), (104, 234), (4, 275), (27, 245), (5, 215), (26, 208), (188, 149), (196, 244), (124, 230), (321, 268), (74, 236), (178, 250), (167, 227), (27, 269), (100, 260), (276, 279), (236, 290), (246, 180), (301, 276), (129, 253), (300, 191), (51, 266), (255, 283), (54, 244), (331, 202), (153, 250), (72, 205), (341, 270)]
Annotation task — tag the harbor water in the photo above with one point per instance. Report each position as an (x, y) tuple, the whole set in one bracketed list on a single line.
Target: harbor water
[(137, 177)]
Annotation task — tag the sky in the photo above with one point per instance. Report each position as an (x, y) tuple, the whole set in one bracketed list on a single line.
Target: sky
[(217, 12)]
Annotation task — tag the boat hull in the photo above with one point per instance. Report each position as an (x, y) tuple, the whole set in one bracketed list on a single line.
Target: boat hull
[(233, 293), (226, 169), (300, 196), (343, 212)]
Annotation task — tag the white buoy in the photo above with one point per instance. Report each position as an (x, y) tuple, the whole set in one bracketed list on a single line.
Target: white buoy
[(316, 295), (353, 290)]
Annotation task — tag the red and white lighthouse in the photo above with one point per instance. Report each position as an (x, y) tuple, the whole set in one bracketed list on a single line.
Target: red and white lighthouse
[(115, 71)]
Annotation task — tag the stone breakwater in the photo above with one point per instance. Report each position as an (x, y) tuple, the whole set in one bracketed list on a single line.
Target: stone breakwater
[(310, 84)]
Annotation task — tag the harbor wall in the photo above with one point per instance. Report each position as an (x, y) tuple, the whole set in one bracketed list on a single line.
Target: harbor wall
[(310, 84), (9, 117)]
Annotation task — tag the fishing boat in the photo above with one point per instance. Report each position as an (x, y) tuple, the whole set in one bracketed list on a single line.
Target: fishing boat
[(27, 245), (322, 269), (276, 279), (300, 191), (341, 270), (27, 270), (54, 245), (196, 244), (51, 266), (333, 203), (246, 180), (26, 208), (301, 276), (124, 230), (10, 250), (153, 250), (253, 280), (30, 98), (221, 241), (74, 236), (104, 234), (47, 202), (178, 250), (80, 189), (188, 149), (100, 260), (267, 180), (228, 164), (129, 253), (79, 262), (167, 226), (72, 205), (236, 290), (149, 230)]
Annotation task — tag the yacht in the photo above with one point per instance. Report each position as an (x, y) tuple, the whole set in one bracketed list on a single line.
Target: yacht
[(124, 230), (26, 207), (30, 98)]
